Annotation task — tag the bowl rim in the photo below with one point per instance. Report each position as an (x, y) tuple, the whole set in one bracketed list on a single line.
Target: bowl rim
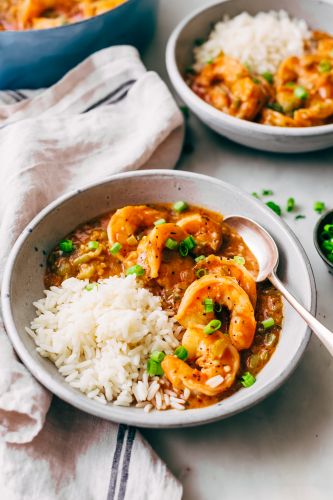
[(66, 26), (316, 237), (202, 107), (134, 418)]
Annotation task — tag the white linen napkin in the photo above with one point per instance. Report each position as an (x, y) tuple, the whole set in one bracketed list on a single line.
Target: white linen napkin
[(107, 115)]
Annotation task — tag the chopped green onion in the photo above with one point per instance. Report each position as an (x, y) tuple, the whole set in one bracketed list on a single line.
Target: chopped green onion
[(183, 250), (300, 216), (116, 247), (90, 286), (255, 195), (275, 106), (189, 242), (268, 77), (290, 84), (210, 61), (209, 305), (171, 244), (300, 92), (157, 356), (181, 352), (268, 323), (200, 273), (198, 259), (137, 269), (255, 80), (273, 206), (154, 368), (93, 245), (218, 308), (159, 222), (247, 379), (66, 246), (328, 228), (267, 192), (290, 204), (325, 66), (239, 260), (319, 206), (212, 326), (180, 206)]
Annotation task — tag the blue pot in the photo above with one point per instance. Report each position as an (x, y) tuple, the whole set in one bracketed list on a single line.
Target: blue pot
[(38, 58)]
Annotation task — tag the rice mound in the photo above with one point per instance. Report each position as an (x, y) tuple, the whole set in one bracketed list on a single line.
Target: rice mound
[(100, 338), (261, 41)]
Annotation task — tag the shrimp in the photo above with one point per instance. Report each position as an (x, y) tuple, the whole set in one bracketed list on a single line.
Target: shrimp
[(250, 97), (126, 222), (220, 266), (150, 248), (206, 232), (277, 119), (224, 291), (213, 354)]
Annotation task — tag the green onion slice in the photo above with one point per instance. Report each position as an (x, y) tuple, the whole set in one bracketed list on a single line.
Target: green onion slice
[(300, 216), (180, 206), (273, 206), (183, 250), (90, 286), (325, 66), (66, 246), (159, 222), (290, 204), (268, 323), (200, 273), (116, 247), (200, 258), (268, 77), (157, 356), (255, 195), (209, 305), (171, 244), (181, 352), (212, 326), (247, 379), (300, 92), (319, 206), (137, 269), (93, 245), (190, 242), (267, 192), (154, 368), (239, 260)]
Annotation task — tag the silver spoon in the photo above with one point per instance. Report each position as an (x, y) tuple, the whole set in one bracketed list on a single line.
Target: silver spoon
[(265, 250)]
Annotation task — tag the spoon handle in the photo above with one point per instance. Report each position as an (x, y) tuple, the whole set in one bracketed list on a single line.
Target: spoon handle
[(323, 333)]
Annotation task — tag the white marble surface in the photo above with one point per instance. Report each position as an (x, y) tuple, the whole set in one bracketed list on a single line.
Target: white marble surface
[(283, 447)]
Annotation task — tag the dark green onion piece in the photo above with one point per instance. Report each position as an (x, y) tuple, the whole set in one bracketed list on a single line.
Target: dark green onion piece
[(116, 247), (154, 368), (66, 246), (267, 192), (198, 259), (256, 80), (157, 356), (159, 222), (325, 66), (209, 305), (200, 273), (300, 92), (212, 326), (93, 245), (181, 352), (290, 204), (137, 269), (247, 379), (268, 77), (239, 260), (180, 206), (275, 106), (255, 195), (273, 206), (183, 250), (218, 308), (189, 242), (328, 228), (90, 286), (319, 206), (268, 323), (300, 216), (171, 244)]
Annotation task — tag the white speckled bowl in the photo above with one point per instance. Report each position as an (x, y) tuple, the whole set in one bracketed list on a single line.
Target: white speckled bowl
[(317, 13), (23, 283)]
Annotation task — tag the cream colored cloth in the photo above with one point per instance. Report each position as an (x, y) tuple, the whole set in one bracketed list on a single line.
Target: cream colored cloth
[(107, 115)]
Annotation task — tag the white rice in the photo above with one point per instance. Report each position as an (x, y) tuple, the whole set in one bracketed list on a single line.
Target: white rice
[(261, 41), (100, 340)]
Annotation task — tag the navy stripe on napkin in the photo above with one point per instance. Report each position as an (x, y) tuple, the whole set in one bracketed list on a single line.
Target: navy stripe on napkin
[(115, 96), (115, 463), (126, 462)]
